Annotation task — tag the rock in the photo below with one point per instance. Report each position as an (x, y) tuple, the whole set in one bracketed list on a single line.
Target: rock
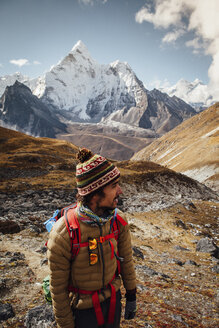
[(180, 248), (180, 263), (180, 223), (2, 284), (190, 262), (146, 270), (9, 226), (42, 250), (207, 245), (44, 261), (6, 311), (35, 229), (40, 316), (16, 256), (215, 268), (137, 252), (151, 272), (191, 205), (177, 317)]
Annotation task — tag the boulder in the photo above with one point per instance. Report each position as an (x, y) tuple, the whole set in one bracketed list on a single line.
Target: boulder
[(40, 316), (207, 245), (6, 311), (8, 226)]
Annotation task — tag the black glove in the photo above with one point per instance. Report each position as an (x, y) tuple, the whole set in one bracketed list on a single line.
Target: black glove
[(130, 310), (130, 307)]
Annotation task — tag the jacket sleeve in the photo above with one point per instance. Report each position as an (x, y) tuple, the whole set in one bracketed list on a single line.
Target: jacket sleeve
[(125, 251), (59, 260)]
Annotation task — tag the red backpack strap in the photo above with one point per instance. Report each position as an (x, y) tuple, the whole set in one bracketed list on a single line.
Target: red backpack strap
[(121, 220), (66, 208), (72, 225), (115, 227)]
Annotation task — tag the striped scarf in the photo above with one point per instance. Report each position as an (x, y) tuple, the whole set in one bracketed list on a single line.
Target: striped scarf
[(86, 215)]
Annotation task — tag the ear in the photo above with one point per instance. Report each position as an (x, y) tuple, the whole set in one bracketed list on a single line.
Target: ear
[(93, 200)]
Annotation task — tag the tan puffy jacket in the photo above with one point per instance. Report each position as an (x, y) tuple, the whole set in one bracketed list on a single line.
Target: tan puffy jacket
[(85, 276)]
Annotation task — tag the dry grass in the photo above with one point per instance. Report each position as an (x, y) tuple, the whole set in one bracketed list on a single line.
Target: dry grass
[(190, 145), (43, 163)]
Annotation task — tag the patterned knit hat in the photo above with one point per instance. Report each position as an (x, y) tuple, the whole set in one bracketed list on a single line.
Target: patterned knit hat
[(93, 172)]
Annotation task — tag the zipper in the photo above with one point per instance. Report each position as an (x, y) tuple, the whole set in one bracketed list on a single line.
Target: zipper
[(101, 250)]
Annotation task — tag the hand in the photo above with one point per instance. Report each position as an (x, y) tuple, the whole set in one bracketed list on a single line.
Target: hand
[(130, 309)]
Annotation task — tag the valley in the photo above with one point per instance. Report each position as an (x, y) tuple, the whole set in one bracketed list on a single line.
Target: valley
[(173, 221)]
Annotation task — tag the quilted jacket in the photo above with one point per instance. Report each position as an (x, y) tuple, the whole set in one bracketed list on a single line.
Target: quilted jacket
[(83, 275)]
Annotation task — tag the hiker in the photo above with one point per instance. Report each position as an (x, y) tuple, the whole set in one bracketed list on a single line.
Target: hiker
[(85, 286)]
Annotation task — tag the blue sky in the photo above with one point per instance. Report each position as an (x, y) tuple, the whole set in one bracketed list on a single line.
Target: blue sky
[(161, 40)]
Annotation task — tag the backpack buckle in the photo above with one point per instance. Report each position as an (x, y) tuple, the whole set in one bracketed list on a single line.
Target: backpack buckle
[(102, 239)]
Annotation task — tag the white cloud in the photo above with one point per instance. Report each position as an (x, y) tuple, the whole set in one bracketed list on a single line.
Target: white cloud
[(36, 62), (173, 36), (165, 14), (1, 65), (19, 62), (181, 16)]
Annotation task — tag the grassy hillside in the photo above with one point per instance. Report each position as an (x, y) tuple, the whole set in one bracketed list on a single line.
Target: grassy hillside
[(43, 162), (193, 145)]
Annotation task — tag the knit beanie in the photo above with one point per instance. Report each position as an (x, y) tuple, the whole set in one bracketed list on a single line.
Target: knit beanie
[(93, 172)]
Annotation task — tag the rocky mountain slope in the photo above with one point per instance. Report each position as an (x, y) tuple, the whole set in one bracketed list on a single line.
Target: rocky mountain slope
[(190, 148), (9, 80), (172, 220), (159, 113), (23, 111)]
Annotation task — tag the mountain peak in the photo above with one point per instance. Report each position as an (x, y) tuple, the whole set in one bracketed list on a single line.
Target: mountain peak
[(80, 47)]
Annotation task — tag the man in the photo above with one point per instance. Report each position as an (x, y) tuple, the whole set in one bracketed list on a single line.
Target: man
[(104, 257)]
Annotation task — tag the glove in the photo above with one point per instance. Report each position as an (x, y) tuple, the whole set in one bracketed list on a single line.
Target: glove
[(130, 309)]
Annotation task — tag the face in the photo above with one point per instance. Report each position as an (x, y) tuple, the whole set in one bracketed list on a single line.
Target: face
[(110, 198)]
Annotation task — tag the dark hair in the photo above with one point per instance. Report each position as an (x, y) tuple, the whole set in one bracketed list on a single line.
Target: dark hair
[(85, 200)]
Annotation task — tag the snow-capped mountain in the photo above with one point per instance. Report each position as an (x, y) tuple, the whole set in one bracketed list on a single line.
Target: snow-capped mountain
[(159, 113), (82, 90), (90, 92), (87, 89), (8, 80), (22, 111), (194, 93)]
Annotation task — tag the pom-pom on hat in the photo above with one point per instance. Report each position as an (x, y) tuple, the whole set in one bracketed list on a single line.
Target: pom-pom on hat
[(93, 172)]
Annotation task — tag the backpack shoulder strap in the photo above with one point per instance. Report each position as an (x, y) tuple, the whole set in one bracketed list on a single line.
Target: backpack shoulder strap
[(66, 208), (115, 226), (73, 227), (121, 220)]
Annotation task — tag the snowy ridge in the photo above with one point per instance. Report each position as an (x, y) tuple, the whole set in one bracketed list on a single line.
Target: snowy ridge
[(195, 93), (9, 80)]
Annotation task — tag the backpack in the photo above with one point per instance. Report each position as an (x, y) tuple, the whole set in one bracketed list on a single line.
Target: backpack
[(73, 228)]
